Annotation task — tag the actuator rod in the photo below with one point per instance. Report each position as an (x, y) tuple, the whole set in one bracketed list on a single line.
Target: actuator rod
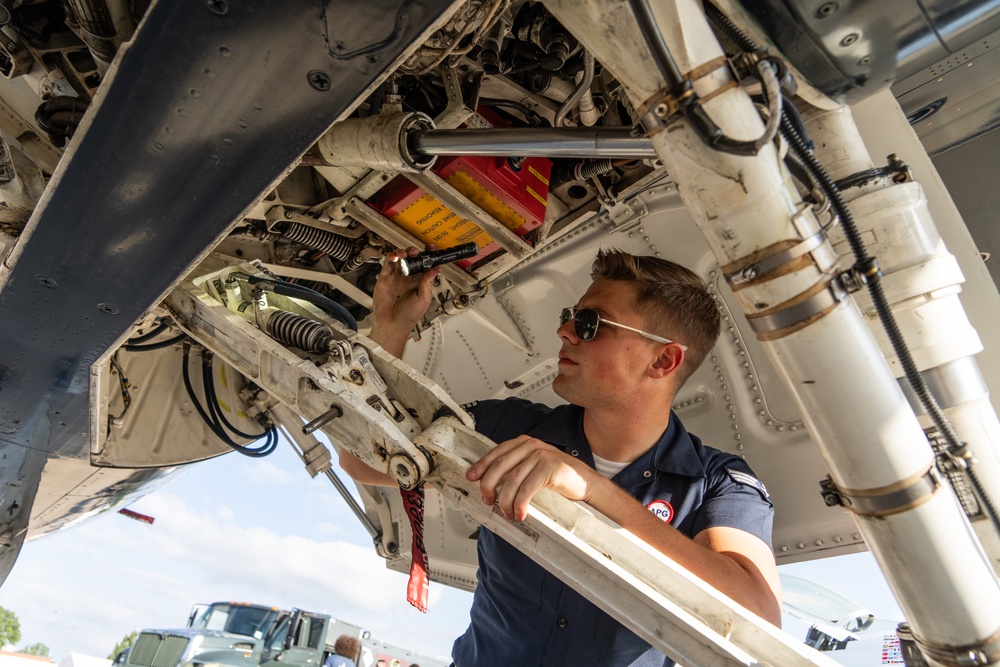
[(565, 142)]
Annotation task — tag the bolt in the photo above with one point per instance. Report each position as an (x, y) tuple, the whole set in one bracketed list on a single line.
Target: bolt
[(850, 39), (826, 10), (107, 308), (45, 281), (319, 80), (219, 7)]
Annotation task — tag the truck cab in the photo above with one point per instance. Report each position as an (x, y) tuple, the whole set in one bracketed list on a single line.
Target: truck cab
[(240, 634)]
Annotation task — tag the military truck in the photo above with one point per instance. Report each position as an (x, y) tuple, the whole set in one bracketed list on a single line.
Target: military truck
[(240, 634)]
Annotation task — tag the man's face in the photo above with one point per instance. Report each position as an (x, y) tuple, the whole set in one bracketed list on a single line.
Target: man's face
[(611, 368)]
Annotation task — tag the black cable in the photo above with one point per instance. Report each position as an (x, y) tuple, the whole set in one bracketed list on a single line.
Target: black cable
[(219, 418), (159, 345), (214, 424), (327, 304), (149, 335), (657, 45), (186, 373), (213, 398)]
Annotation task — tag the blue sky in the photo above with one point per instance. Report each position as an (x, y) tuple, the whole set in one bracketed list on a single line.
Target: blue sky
[(260, 530)]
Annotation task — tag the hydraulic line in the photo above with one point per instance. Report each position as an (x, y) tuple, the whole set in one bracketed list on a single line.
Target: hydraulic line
[(149, 335), (328, 305), (158, 345), (214, 417), (581, 90), (657, 45), (207, 361)]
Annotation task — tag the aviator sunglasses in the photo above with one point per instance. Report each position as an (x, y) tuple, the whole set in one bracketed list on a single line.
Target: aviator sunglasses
[(586, 321)]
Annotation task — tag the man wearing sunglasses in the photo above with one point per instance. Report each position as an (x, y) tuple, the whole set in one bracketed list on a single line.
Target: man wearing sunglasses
[(639, 331)]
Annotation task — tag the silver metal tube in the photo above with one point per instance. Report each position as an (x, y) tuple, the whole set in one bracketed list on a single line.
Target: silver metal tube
[(566, 142), (584, 87)]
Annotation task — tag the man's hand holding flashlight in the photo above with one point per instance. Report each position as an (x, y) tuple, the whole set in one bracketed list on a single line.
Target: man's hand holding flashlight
[(400, 301)]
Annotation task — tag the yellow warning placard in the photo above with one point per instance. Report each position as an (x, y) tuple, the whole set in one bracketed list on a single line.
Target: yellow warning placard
[(432, 222)]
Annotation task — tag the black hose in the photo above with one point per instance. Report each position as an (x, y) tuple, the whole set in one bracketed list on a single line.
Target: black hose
[(159, 345), (327, 304), (218, 418), (60, 116), (149, 335), (657, 45), (214, 422), (213, 399)]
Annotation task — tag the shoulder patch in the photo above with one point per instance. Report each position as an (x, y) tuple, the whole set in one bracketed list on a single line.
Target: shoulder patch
[(746, 479)]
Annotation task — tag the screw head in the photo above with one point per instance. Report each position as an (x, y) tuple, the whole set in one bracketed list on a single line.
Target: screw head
[(219, 7), (826, 10), (107, 309), (850, 39), (319, 80), (661, 110), (865, 62), (45, 281)]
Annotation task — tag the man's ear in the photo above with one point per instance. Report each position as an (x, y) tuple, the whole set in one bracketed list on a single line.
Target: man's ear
[(670, 359)]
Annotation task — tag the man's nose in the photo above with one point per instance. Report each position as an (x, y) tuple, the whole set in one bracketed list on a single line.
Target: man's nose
[(567, 331)]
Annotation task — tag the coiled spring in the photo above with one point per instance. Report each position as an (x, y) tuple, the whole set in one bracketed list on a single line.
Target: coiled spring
[(334, 245), (298, 331)]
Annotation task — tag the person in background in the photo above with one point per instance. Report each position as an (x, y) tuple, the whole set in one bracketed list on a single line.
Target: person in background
[(628, 345), (345, 652)]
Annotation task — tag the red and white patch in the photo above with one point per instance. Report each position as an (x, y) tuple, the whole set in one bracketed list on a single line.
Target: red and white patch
[(662, 509)]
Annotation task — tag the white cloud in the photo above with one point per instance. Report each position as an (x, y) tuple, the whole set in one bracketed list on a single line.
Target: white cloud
[(225, 531)]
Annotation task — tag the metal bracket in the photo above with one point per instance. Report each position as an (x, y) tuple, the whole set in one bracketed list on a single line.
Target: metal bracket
[(458, 110), (625, 215)]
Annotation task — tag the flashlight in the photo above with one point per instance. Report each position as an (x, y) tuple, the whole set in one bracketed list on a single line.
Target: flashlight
[(410, 266)]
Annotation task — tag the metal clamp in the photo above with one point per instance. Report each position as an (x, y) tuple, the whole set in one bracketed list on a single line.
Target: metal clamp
[(792, 314), (979, 655), (760, 270), (884, 501), (660, 110)]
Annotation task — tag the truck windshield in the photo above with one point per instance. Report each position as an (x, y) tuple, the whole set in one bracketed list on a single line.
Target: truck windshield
[(238, 619)]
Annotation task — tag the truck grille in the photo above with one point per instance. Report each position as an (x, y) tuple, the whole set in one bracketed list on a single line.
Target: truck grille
[(153, 650)]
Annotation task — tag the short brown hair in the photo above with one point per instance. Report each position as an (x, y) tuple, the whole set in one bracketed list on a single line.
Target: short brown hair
[(673, 301), (347, 646)]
